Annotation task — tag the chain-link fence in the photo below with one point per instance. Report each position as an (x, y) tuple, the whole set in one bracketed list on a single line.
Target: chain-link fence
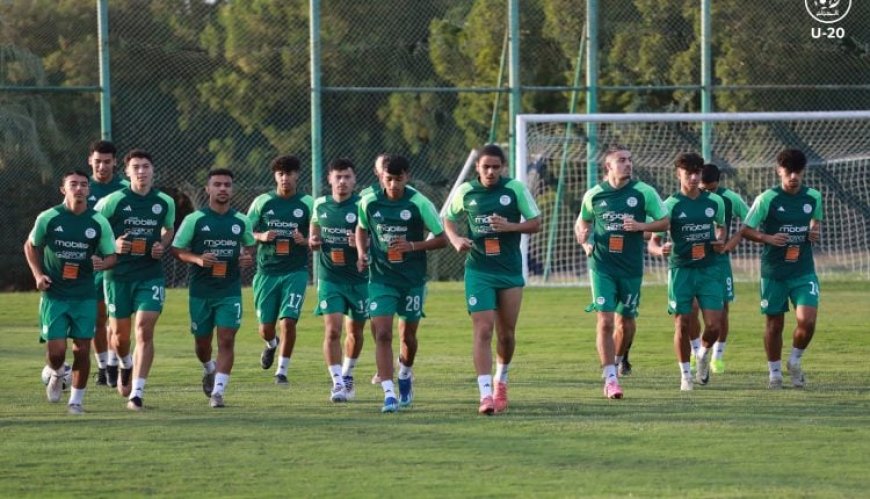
[(206, 83)]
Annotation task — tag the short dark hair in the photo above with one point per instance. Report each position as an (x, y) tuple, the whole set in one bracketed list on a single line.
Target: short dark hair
[(340, 164), (690, 161), (492, 150), (137, 153), (286, 163), (614, 148), (102, 147), (70, 173), (793, 160), (395, 164), (710, 173), (220, 171)]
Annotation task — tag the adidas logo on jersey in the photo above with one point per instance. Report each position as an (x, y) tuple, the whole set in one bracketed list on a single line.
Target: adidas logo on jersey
[(377, 215), (59, 229), (780, 209), (128, 208), (270, 212), (206, 228), (603, 203), (323, 215), (92, 198), (472, 203), (682, 214)]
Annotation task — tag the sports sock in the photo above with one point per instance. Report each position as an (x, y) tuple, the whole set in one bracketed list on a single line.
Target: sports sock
[(272, 343), (138, 388), (405, 372), (775, 369), (102, 357), (796, 355), (283, 365), (685, 370), (610, 372), (60, 371), (501, 372), (696, 344), (389, 391), (209, 366), (335, 374), (111, 358), (221, 381), (76, 395), (126, 362), (347, 366), (484, 384), (719, 350), (619, 359), (702, 352)]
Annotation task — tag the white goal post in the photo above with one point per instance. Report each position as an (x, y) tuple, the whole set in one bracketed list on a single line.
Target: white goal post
[(557, 157)]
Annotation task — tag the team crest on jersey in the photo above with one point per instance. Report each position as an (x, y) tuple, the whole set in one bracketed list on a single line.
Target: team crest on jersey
[(193, 326), (297, 213), (763, 303), (632, 201), (236, 229), (323, 304), (807, 208), (709, 212), (472, 300), (600, 300), (90, 233), (157, 209), (350, 218), (373, 305), (405, 215), (504, 200)]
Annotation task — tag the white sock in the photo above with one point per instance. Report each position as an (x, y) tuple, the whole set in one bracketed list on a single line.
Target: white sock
[(501, 372), (347, 366), (126, 362), (618, 359), (138, 388), (335, 374), (696, 344), (76, 396), (484, 384), (102, 357), (388, 389), (404, 371), (610, 372), (209, 367), (685, 369), (283, 365), (775, 369), (702, 352), (221, 381), (272, 343), (60, 371), (719, 350), (111, 358), (796, 354)]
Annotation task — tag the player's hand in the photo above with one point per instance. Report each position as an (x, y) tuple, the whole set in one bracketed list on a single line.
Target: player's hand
[(122, 245), (629, 224), (157, 250), (314, 242), (43, 282), (461, 244), (351, 239), (588, 248), (245, 260), (667, 248), (581, 235), (815, 234), (98, 263), (268, 236), (362, 263), (499, 223), (400, 245), (299, 239), (206, 260), (778, 239), (718, 246)]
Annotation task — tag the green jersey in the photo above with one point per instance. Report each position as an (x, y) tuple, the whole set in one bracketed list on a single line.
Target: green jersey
[(284, 216), (68, 241), (616, 252), (99, 190), (693, 228), (386, 220), (776, 211), (493, 252), (734, 207), (376, 187), (140, 220), (224, 235), (337, 222)]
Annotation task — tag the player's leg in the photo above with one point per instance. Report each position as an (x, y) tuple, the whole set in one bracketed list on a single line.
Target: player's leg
[(510, 301), (605, 299), (625, 325), (774, 305), (54, 324), (266, 303), (712, 324), (332, 324), (710, 298), (383, 305), (226, 341), (355, 323), (101, 339), (681, 297), (55, 354), (143, 357), (804, 294), (410, 312), (718, 363), (81, 369), (292, 300)]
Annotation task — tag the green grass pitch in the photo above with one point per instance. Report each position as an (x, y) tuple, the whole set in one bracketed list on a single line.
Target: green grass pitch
[(561, 437)]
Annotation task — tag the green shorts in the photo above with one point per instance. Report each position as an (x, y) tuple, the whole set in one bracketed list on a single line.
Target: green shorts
[(124, 298), (98, 284), (612, 294), (481, 289), (62, 319), (407, 303), (346, 299), (279, 296), (208, 313), (724, 265), (776, 293), (687, 283)]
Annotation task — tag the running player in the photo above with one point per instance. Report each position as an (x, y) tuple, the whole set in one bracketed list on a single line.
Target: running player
[(494, 207)]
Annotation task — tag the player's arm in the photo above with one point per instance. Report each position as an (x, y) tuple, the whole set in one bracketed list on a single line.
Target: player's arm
[(656, 245), (815, 233), (459, 242), (528, 209), (754, 219), (362, 248), (657, 219), (33, 255), (432, 221), (720, 231), (314, 241), (105, 257), (182, 243), (254, 217)]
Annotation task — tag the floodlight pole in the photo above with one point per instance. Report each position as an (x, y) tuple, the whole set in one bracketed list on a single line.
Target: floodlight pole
[(316, 115), (105, 80), (514, 78), (591, 91), (706, 78)]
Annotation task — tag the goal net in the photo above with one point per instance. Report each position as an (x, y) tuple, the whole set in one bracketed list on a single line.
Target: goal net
[(558, 155)]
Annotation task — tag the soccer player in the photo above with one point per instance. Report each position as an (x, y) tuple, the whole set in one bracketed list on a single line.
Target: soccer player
[(735, 208), (612, 237), (341, 286), (697, 232), (494, 208), (280, 221), (787, 219), (217, 241), (67, 243), (142, 219), (103, 162), (397, 220)]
